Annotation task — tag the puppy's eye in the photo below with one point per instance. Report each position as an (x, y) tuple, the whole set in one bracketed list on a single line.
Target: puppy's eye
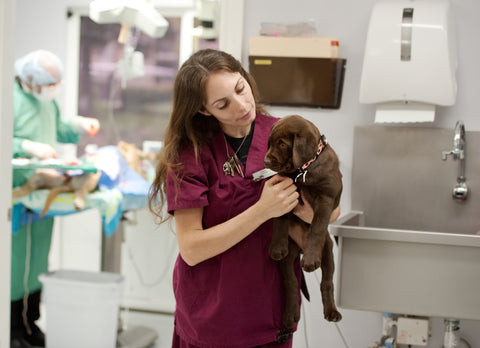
[(282, 146)]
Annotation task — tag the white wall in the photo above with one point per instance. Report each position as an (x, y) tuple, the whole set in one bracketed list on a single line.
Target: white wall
[(42, 24), (348, 21), (6, 106)]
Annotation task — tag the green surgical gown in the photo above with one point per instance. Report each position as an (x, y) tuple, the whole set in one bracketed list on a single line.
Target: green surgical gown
[(40, 122)]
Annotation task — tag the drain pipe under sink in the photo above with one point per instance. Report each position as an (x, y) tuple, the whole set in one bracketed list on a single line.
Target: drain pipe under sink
[(387, 340), (451, 337)]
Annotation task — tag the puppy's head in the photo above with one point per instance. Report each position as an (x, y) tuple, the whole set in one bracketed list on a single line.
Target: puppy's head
[(293, 141)]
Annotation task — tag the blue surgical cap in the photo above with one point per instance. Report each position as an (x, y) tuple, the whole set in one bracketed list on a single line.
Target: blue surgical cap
[(39, 68)]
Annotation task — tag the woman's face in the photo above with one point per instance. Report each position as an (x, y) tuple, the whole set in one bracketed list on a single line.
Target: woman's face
[(230, 101)]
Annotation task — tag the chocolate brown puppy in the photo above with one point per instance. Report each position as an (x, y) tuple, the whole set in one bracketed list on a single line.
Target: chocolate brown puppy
[(298, 150)]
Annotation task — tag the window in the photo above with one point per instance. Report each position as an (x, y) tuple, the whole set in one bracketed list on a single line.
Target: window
[(140, 111)]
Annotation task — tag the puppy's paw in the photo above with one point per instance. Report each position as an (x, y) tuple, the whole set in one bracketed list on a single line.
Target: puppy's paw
[(290, 318), (332, 315), (310, 262), (278, 252), (79, 204)]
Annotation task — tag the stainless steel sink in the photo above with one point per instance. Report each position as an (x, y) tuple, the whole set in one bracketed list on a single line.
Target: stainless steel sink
[(406, 271)]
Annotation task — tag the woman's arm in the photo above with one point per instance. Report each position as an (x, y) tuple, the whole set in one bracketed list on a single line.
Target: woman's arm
[(305, 212), (335, 214), (279, 196)]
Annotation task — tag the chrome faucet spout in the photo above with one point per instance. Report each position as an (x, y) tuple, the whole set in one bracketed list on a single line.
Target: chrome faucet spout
[(459, 137), (460, 190)]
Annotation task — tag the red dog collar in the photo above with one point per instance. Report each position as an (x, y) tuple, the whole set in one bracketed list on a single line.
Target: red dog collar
[(302, 171)]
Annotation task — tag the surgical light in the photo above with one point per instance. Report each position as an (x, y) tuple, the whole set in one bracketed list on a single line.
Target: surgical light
[(138, 13)]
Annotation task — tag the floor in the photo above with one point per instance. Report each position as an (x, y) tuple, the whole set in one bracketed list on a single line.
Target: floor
[(161, 323)]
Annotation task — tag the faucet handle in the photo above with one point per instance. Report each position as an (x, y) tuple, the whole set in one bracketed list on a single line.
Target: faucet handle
[(456, 154), (446, 153)]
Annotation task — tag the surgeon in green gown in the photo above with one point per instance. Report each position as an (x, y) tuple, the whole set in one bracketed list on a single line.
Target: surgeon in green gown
[(38, 126)]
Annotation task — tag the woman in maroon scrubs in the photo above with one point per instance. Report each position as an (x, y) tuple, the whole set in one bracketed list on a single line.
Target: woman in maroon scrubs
[(228, 291)]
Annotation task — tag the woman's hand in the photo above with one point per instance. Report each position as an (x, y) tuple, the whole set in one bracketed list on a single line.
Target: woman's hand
[(305, 212), (279, 196), (196, 244), (88, 124), (39, 150)]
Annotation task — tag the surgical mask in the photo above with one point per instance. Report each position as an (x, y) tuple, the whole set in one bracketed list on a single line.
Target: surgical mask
[(47, 93)]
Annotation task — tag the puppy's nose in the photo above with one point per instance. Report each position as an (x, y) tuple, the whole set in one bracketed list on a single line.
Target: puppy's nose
[(267, 162)]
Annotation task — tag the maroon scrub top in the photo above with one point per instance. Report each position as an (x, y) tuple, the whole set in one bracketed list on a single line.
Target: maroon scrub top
[(234, 299)]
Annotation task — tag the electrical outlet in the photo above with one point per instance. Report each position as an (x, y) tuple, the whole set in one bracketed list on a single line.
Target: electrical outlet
[(412, 331)]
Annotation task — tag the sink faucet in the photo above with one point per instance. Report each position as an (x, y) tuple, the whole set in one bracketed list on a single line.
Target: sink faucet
[(460, 190)]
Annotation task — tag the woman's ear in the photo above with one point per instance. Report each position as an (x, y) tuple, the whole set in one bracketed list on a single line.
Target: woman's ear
[(204, 112)]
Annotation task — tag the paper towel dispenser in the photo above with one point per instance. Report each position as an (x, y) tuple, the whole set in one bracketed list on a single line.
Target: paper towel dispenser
[(410, 54)]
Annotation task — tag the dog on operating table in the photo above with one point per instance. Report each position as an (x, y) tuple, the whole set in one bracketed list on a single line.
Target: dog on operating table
[(58, 182), (298, 150)]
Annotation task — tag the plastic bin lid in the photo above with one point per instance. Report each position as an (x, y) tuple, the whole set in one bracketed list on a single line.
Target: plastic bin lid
[(98, 278)]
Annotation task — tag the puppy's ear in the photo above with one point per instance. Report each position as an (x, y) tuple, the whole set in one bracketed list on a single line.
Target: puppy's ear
[(299, 150)]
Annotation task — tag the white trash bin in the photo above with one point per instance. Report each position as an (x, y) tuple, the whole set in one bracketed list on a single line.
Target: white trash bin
[(81, 308)]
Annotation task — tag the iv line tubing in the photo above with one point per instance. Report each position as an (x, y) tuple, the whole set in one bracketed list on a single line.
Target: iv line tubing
[(27, 273)]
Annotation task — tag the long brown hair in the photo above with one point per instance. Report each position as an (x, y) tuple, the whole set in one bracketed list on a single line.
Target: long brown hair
[(187, 127)]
